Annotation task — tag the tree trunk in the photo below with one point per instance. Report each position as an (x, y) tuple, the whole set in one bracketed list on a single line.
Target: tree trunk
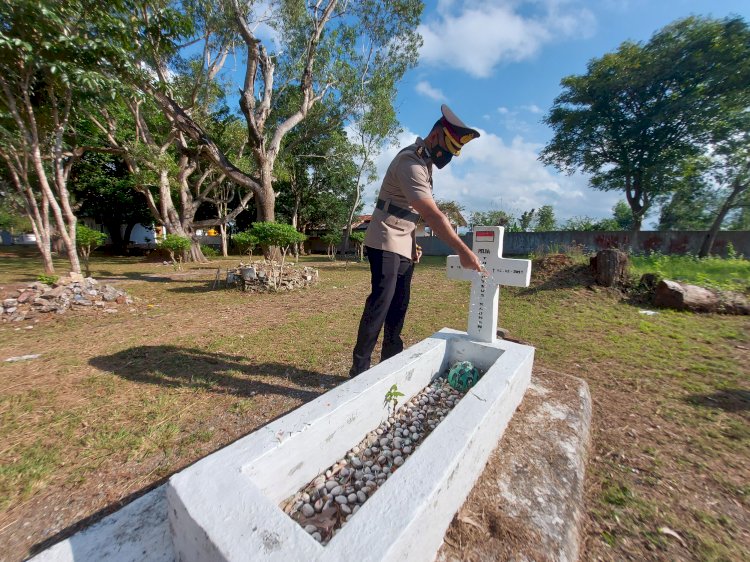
[(610, 267), (223, 232), (708, 242), (126, 237)]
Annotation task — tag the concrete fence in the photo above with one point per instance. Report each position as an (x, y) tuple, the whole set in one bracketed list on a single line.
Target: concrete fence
[(666, 242)]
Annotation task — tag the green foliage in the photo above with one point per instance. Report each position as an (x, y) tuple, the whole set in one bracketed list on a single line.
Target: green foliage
[(276, 234), (89, 239), (732, 273), (392, 396), (175, 243), (245, 242), (545, 219), (47, 279), (332, 238), (453, 210), (491, 218), (176, 246), (209, 251), (639, 112), (622, 220)]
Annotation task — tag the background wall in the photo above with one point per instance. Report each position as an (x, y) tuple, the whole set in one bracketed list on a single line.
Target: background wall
[(678, 242)]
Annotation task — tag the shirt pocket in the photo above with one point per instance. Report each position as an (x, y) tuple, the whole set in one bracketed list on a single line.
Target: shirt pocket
[(396, 223)]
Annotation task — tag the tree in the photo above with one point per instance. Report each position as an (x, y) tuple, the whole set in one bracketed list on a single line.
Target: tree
[(453, 210), (359, 239), (637, 113), (104, 190), (527, 217), (316, 173), (331, 240), (52, 56), (87, 240), (328, 48), (545, 219), (277, 235), (491, 218), (731, 172)]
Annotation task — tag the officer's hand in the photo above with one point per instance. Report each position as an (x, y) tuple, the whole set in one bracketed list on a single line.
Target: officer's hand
[(469, 260)]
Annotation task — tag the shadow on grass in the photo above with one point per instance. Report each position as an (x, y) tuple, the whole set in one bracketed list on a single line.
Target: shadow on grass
[(172, 366), (729, 400)]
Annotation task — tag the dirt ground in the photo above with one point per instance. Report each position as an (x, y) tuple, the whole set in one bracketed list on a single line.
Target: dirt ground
[(117, 403)]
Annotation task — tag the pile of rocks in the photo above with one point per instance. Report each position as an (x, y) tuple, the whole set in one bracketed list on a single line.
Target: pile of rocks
[(332, 498), (26, 303), (263, 276)]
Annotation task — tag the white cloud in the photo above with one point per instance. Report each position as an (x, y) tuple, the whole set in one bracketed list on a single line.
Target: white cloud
[(426, 89), (494, 174), (502, 110), (532, 108), (477, 35)]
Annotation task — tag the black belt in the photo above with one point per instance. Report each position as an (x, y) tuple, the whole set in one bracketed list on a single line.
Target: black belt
[(391, 209)]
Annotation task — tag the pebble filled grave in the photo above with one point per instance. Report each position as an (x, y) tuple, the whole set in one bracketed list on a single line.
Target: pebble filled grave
[(324, 505)]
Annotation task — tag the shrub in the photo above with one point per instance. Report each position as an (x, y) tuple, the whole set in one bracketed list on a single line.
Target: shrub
[(209, 251), (48, 279), (87, 240), (175, 245), (245, 242), (277, 234)]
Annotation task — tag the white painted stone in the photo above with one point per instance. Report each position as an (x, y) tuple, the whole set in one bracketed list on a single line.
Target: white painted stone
[(227, 505), (139, 532), (485, 291)]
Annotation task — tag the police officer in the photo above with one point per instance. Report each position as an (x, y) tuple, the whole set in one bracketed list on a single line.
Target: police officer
[(405, 195)]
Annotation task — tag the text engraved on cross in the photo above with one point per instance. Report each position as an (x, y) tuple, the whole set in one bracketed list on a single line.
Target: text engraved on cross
[(485, 291)]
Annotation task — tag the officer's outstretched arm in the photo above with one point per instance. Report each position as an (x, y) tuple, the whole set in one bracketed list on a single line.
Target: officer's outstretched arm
[(441, 226)]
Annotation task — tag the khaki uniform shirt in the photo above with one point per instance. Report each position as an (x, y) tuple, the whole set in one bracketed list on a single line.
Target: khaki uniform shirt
[(409, 177)]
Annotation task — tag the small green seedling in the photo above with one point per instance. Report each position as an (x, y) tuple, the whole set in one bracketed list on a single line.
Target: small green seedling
[(392, 396)]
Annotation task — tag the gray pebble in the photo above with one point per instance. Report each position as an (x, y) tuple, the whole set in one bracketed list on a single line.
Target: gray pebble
[(337, 491), (361, 496), (381, 459), (344, 472), (345, 509), (308, 510), (356, 509), (352, 498), (384, 441), (368, 452), (356, 463), (331, 484), (398, 461), (341, 499), (407, 450), (311, 528), (317, 537)]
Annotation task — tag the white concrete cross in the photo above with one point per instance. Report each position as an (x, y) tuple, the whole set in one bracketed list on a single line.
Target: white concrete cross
[(485, 289)]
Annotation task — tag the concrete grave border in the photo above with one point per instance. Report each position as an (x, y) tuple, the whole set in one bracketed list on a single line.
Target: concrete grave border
[(225, 507)]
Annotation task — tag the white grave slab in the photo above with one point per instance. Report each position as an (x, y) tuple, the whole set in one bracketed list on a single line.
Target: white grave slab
[(226, 506), (485, 291)]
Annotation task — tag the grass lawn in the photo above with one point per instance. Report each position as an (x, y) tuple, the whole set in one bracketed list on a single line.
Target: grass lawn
[(117, 403), (732, 274)]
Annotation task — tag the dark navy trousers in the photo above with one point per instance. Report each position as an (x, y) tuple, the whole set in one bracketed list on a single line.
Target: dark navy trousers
[(390, 278)]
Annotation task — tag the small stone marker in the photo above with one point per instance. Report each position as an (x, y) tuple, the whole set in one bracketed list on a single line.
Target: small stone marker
[(485, 288)]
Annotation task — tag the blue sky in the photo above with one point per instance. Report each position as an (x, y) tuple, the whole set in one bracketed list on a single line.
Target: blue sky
[(498, 64)]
